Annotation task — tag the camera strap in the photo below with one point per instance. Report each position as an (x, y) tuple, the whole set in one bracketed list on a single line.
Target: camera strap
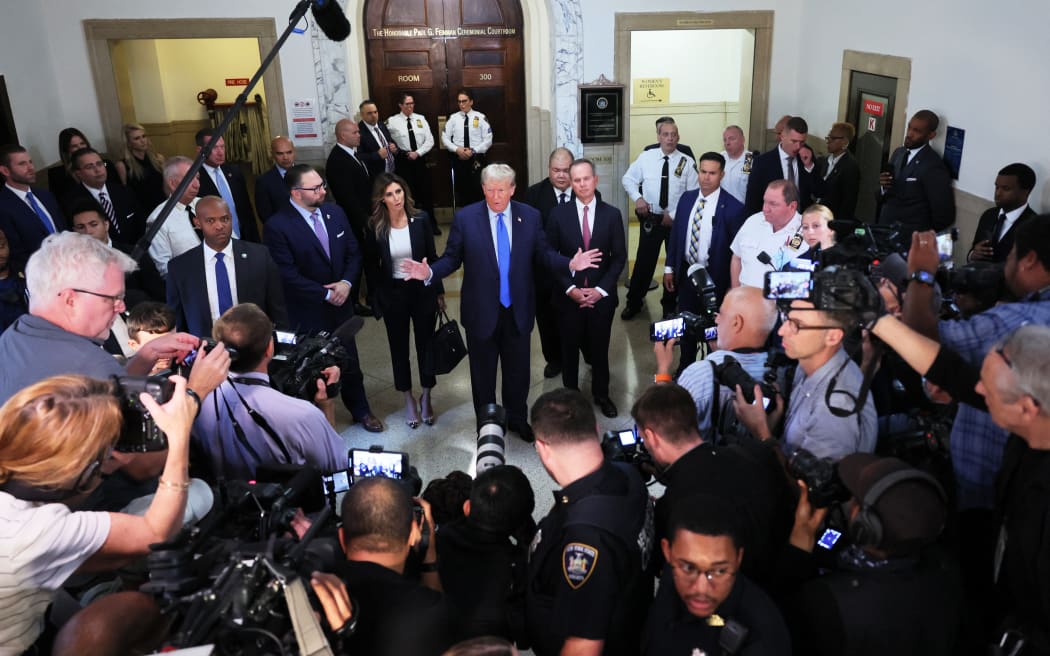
[(256, 417)]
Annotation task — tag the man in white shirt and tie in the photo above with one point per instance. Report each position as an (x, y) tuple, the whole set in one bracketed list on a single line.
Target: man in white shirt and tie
[(994, 236), (178, 234), (411, 133), (467, 136)]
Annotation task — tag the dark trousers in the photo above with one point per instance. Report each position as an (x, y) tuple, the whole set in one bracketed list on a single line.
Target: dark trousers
[(404, 302), (687, 299), (414, 171), (468, 179), (649, 243), (353, 383), (509, 348), (590, 328), (547, 318)]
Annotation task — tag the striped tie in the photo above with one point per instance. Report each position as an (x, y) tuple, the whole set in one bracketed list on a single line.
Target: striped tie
[(694, 233)]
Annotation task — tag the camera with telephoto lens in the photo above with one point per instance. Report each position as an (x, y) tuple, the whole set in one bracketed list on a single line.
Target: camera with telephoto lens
[(139, 433), (492, 433), (821, 477), (730, 374), (299, 360)]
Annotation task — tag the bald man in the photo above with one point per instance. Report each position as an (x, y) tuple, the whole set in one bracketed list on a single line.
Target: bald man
[(351, 185), (270, 193), (745, 320)]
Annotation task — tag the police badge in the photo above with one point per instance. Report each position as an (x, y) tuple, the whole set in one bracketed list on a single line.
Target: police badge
[(477, 122), (795, 241), (749, 157), (419, 123), (577, 563)]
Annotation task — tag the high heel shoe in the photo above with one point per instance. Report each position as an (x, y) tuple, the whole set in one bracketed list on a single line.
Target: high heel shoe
[(427, 408), (411, 412)]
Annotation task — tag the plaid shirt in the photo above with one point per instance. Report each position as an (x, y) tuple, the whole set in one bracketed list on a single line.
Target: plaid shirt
[(976, 442)]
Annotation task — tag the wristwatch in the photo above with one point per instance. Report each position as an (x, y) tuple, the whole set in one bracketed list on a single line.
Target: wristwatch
[(925, 277)]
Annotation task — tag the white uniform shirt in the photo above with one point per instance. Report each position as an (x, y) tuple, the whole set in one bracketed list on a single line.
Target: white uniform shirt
[(480, 132), (174, 238), (646, 171), (738, 172), (756, 236), (398, 128)]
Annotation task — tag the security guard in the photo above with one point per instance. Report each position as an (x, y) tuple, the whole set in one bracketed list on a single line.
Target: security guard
[(654, 182), (586, 591), (467, 136), (738, 162), (414, 140)]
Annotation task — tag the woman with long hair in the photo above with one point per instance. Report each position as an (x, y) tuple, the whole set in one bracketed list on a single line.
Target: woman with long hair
[(56, 440), (398, 231), (60, 177), (145, 167)]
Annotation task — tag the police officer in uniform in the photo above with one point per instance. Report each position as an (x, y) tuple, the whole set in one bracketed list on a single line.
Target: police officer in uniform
[(654, 182), (738, 162), (586, 590), (414, 140), (467, 136)]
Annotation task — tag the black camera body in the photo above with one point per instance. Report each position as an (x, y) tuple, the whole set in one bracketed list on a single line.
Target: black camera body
[(729, 373), (139, 433), (821, 477), (832, 289), (625, 446), (299, 361)]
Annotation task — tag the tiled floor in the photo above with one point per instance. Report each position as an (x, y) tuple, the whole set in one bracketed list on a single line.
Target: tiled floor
[(450, 443)]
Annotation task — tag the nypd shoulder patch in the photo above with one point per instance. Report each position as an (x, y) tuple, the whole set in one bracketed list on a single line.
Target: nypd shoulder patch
[(577, 563)]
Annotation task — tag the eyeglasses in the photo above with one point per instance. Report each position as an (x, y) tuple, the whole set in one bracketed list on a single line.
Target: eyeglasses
[(91, 471), (93, 165), (323, 185), (794, 326), (463, 100), (115, 298), (1001, 350), (689, 573)]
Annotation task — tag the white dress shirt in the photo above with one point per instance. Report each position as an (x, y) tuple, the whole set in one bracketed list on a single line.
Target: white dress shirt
[(22, 194), (209, 276), (738, 172), (646, 171), (592, 206), (707, 223), (398, 128), (174, 238), (480, 132)]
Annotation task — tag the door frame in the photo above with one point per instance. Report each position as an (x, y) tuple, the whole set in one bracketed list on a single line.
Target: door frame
[(887, 66), (100, 32)]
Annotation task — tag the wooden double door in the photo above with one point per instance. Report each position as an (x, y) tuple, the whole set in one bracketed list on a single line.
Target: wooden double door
[(432, 49)]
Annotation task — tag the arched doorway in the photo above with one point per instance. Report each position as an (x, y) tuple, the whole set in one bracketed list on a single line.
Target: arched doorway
[(431, 49)]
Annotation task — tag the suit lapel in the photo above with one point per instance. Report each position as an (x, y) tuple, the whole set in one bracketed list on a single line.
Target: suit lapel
[(199, 281), (242, 270), (485, 228), (416, 238)]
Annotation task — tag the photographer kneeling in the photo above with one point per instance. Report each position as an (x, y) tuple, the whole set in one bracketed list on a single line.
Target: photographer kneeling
[(55, 436), (245, 423)]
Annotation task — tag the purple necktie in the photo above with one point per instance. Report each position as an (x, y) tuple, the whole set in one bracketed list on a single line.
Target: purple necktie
[(322, 235)]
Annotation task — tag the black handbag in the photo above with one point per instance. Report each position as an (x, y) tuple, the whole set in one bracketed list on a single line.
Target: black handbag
[(446, 348)]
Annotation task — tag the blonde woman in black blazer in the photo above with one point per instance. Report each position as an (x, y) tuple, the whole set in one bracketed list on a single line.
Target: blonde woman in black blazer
[(397, 230)]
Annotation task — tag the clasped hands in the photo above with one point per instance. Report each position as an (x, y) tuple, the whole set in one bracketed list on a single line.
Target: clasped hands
[(585, 297)]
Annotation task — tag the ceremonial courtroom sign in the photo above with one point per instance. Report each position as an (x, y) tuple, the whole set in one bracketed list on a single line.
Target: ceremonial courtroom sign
[(431, 32)]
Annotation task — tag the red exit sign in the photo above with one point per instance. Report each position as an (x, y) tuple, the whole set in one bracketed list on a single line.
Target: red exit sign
[(236, 81), (872, 107)]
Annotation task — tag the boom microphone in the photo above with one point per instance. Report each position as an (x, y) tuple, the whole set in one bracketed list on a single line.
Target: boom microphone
[(330, 18), (349, 328)]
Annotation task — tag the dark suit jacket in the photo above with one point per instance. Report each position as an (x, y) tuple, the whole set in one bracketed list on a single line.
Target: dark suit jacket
[(255, 272), (565, 236), (305, 269), (921, 197), (470, 244), (22, 227), (351, 187), (729, 216), (986, 224), (839, 190), (146, 284), (378, 260), (131, 222), (369, 149), (271, 194), (241, 198), (767, 168)]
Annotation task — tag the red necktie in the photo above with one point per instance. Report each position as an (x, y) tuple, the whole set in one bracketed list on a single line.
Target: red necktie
[(586, 235)]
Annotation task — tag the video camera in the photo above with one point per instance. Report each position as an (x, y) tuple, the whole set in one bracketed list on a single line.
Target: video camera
[(139, 433), (833, 289), (821, 477), (699, 325), (298, 360)]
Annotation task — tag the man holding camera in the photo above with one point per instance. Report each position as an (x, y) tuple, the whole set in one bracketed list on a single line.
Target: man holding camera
[(246, 424), (398, 616), (747, 477), (706, 224), (826, 413), (587, 586)]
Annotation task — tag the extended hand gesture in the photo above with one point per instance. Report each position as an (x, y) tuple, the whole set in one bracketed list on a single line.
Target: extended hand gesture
[(584, 259), (416, 270)]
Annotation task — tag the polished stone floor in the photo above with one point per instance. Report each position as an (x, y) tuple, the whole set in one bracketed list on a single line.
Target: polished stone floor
[(450, 443)]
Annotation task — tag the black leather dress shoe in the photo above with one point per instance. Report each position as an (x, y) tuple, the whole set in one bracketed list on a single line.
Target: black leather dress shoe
[(629, 313), (363, 310), (607, 407), (524, 431), (371, 423), (551, 370)]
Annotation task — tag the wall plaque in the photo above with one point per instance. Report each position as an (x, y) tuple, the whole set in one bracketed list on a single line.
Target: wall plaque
[(601, 113)]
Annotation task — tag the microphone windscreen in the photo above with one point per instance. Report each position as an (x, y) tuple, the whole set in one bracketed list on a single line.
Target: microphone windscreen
[(331, 19), (349, 328)]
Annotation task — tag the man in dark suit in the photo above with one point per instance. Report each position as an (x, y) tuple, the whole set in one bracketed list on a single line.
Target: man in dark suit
[(995, 230), (27, 215), (222, 272), (781, 163), (554, 190), (377, 146), (351, 186), (917, 190), (706, 222), (498, 242), (226, 181), (586, 300), (270, 193), (839, 173), (126, 223), (317, 255)]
